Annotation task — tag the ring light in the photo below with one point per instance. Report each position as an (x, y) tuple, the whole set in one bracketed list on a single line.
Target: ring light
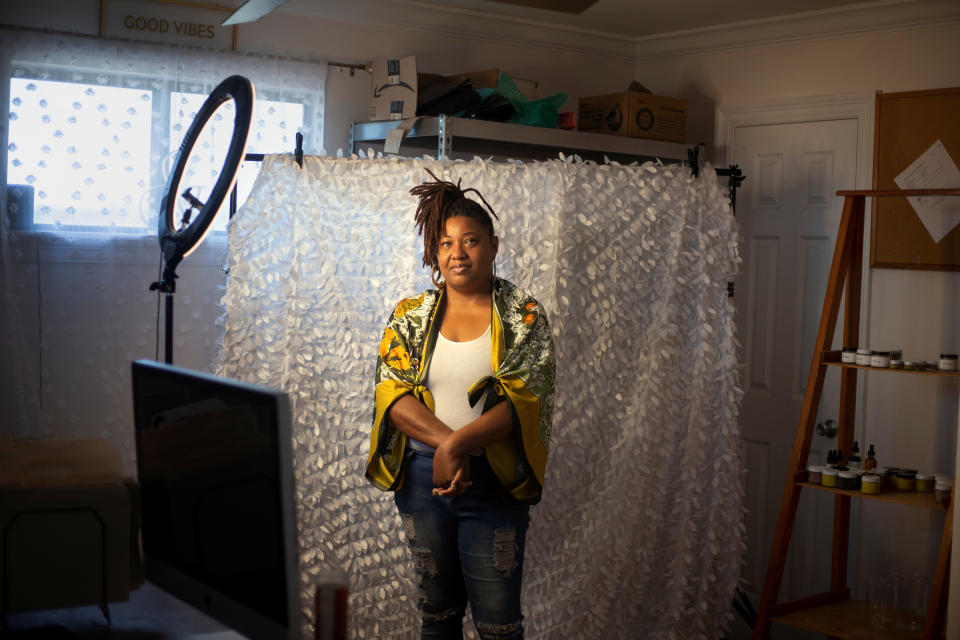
[(177, 242)]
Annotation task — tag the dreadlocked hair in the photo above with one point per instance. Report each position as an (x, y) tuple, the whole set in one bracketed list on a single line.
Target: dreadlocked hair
[(440, 200)]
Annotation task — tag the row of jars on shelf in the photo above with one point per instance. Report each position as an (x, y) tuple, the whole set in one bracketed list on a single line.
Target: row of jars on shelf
[(885, 479), (894, 360)]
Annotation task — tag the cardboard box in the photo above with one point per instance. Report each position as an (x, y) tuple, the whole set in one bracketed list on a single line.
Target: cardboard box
[(67, 546), (636, 113), (41, 462), (488, 79), (70, 524), (394, 89)]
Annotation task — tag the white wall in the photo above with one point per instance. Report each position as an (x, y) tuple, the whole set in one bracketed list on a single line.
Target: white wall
[(894, 61)]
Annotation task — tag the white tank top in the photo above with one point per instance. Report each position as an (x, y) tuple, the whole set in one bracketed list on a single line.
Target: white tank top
[(454, 367)]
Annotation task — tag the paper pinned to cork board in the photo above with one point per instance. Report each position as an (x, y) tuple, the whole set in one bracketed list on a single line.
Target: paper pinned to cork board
[(934, 169)]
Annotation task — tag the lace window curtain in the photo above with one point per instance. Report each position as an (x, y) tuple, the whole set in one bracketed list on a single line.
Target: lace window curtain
[(75, 307), (639, 533)]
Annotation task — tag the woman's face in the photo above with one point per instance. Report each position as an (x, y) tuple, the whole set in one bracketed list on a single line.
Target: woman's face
[(465, 255)]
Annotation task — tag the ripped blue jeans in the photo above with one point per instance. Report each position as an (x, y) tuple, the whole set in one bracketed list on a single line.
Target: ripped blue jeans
[(468, 548)]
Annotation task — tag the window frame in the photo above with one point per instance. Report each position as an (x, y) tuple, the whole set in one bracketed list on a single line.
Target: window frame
[(160, 121)]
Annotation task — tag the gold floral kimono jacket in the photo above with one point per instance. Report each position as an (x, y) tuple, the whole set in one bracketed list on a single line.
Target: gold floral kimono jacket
[(522, 359)]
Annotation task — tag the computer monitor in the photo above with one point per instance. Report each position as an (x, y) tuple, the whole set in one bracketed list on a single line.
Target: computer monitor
[(217, 510)]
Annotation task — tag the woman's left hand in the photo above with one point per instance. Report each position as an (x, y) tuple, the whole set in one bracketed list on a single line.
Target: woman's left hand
[(460, 483), (446, 465)]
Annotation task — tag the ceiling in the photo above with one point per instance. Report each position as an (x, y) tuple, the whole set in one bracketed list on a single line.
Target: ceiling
[(640, 18), (639, 30)]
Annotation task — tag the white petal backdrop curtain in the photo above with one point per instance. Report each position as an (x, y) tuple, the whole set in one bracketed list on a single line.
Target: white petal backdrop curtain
[(91, 125), (640, 528)]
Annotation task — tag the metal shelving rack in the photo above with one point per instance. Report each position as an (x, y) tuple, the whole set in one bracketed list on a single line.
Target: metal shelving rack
[(442, 135)]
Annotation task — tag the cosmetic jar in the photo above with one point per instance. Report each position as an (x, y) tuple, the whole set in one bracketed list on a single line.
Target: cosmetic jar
[(924, 482), (829, 477), (863, 357), (948, 362), (813, 473), (880, 359), (871, 483), (896, 364), (847, 480), (906, 481), (941, 492), (849, 356), (889, 475)]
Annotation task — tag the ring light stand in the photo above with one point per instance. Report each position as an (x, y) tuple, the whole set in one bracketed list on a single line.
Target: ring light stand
[(178, 240)]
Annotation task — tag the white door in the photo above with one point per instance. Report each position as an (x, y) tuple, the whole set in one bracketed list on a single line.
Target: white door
[(788, 213)]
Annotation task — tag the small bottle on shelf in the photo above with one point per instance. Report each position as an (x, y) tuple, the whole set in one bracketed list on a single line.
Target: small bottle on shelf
[(854, 460), (870, 463)]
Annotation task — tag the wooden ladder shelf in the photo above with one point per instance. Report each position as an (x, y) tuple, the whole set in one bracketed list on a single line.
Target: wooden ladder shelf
[(833, 612)]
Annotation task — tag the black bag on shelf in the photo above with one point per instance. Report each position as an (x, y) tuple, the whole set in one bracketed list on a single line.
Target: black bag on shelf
[(447, 98), (496, 108)]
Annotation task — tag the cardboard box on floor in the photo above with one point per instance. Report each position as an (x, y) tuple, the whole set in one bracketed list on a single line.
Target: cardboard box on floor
[(69, 519), (636, 113), (393, 87)]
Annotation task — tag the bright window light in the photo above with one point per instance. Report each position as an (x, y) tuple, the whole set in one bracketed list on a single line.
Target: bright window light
[(93, 153), (85, 149)]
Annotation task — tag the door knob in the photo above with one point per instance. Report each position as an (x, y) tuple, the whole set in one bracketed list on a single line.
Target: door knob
[(827, 429)]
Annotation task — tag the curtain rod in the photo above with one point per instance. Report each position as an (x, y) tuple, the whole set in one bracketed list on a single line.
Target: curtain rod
[(353, 67), (60, 32)]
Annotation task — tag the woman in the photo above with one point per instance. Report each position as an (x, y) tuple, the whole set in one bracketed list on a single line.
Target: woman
[(464, 401)]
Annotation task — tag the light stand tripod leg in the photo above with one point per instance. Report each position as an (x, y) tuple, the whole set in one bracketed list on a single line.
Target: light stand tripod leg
[(168, 330)]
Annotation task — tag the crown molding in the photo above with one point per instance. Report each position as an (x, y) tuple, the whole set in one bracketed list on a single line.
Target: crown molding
[(461, 22), (844, 22)]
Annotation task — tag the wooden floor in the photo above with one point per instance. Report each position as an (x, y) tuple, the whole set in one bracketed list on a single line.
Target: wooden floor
[(846, 620), (150, 614)]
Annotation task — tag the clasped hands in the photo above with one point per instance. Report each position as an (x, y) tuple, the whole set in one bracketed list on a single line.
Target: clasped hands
[(451, 470)]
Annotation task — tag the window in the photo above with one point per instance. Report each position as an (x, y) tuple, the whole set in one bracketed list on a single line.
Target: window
[(98, 156), (85, 150), (95, 124), (274, 123)]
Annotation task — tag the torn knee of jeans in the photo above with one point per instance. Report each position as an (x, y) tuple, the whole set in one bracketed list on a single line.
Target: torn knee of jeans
[(505, 550), (408, 527), (424, 562), (499, 630), (446, 614)]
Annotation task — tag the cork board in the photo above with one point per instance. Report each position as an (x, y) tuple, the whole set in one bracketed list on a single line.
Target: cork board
[(906, 125)]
